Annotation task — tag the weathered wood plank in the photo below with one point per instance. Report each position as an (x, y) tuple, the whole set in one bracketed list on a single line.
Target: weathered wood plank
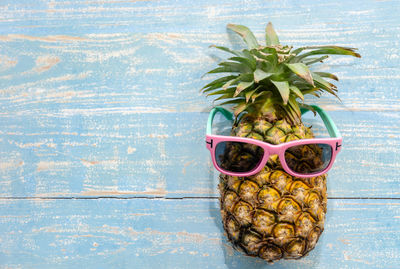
[(157, 72), (99, 57), (147, 233), (162, 16), (163, 154)]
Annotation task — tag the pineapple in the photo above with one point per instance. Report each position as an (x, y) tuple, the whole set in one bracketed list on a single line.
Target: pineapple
[(272, 215)]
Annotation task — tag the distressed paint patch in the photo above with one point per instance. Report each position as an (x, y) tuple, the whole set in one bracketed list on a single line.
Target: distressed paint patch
[(102, 193), (6, 62), (10, 165), (44, 63), (51, 165), (55, 38), (130, 150)]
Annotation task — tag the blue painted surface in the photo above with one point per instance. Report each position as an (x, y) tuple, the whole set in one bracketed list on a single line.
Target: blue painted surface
[(164, 155), (180, 234), (99, 100)]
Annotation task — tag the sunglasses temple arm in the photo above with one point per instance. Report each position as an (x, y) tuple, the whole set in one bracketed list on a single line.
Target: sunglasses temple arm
[(228, 115), (329, 124)]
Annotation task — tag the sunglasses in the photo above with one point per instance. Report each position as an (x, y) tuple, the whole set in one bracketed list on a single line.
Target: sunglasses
[(241, 156)]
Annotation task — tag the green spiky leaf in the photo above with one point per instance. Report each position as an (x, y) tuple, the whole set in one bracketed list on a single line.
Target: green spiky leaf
[(232, 101), (329, 50), (305, 107), (223, 97), (246, 34), (224, 91), (267, 78), (257, 95), (246, 77), (242, 86), (294, 108), (314, 91), (249, 56), (323, 83), (269, 59), (234, 52), (239, 109), (260, 75), (299, 50), (224, 69), (283, 88), (271, 37), (310, 61), (229, 83), (327, 75), (251, 64), (302, 71), (238, 79), (249, 94), (297, 92), (236, 67), (215, 84)]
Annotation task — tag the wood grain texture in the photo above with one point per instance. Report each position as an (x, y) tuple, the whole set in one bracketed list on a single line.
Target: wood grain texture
[(164, 155), (158, 72), (102, 131), (151, 233), (95, 57)]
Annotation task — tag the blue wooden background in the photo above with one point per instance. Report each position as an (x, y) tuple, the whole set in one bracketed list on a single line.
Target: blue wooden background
[(102, 155)]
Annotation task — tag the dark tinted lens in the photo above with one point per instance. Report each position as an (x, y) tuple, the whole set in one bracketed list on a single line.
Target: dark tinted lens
[(237, 156), (309, 158)]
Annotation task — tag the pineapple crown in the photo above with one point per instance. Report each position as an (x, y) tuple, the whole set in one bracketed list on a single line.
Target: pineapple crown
[(269, 79)]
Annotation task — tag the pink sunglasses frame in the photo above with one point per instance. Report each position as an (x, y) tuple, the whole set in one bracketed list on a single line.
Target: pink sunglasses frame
[(269, 149)]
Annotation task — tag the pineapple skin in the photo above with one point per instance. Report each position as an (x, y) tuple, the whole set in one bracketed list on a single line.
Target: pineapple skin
[(272, 214)]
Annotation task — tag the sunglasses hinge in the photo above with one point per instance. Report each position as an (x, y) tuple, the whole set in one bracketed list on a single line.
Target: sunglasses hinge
[(337, 146), (210, 143)]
